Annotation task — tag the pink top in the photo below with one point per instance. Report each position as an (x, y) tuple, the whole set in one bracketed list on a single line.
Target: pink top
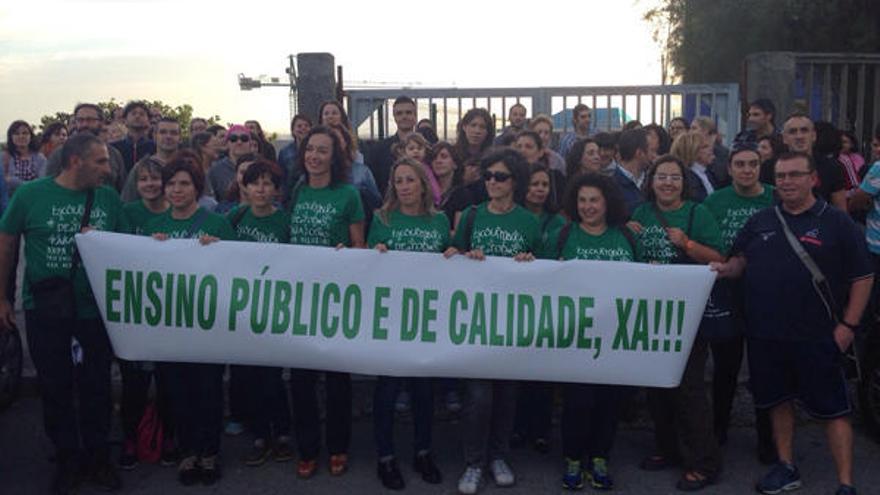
[(435, 186), (852, 163)]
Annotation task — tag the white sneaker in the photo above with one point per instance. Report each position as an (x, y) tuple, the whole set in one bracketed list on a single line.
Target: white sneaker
[(470, 480), (502, 473)]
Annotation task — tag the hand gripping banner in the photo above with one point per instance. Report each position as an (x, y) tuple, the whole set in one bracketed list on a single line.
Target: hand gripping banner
[(395, 313)]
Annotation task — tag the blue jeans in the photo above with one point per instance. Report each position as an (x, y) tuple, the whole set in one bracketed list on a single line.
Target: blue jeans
[(422, 393)]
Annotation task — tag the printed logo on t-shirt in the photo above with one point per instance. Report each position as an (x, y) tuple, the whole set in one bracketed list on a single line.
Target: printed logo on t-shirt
[(606, 254), (415, 239), (811, 237), (311, 223), (254, 234), (496, 241), (64, 222), (656, 244)]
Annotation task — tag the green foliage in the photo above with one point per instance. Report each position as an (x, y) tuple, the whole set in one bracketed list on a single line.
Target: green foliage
[(706, 41), (182, 113)]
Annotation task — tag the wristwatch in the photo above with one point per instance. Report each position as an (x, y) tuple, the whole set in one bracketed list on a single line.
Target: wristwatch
[(848, 325)]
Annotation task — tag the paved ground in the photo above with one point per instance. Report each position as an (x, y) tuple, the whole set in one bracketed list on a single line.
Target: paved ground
[(25, 468)]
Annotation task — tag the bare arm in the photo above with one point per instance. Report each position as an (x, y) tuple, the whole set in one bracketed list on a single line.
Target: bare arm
[(838, 199), (356, 232), (859, 293), (7, 313)]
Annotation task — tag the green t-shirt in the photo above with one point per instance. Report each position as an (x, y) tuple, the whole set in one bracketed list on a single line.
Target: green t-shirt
[(321, 217), (48, 215), (732, 211), (611, 245), (654, 243), (214, 225), (139, 215), (273, 228), (508, 234), (428, 234)]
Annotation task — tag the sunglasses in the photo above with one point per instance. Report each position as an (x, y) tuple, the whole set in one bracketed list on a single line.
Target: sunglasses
[(236, 137), (498, 176)]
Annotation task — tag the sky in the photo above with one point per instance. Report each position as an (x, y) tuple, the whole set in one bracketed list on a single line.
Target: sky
[(54, 54)]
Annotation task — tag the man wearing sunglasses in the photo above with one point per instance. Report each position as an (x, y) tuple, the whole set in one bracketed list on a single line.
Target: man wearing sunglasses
[(799, 325), (222, 173)]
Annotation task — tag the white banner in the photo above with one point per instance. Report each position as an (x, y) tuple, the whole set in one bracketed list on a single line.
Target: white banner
[(397, 313)]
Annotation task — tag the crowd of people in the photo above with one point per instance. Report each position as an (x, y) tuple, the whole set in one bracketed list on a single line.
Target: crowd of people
[(777, 216)]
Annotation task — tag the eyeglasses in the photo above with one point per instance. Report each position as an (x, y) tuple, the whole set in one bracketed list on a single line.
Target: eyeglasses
[(498, 176), (236, 137), (797, 174), (667, 178)]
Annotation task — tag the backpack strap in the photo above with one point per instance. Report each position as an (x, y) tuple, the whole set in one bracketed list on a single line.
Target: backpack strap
[(197, 223), (564, 233), (469, 227), (630, 238), (239, 215)]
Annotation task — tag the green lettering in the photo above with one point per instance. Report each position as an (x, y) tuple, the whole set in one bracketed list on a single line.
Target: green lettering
[(281, 307), (545, 323), (134, 296), (457, 334), (640, 328), (380, 311), (429, 314), (299, 328), (186, 294), (351, 312), (585, 321), (525, 320), (409, 317), (207, 301), (565, 327), (112, 294), (478, 320), (153, 314), (260, 312), (621, 338), (329, 326), (240, 292)]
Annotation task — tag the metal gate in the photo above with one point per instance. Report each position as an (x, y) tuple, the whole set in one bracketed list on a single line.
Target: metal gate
[(613, 106)]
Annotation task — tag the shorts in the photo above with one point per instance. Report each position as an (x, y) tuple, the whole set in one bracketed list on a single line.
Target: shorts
[(810, 372)]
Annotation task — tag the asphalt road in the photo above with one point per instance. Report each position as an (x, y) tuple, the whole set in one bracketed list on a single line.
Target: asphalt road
[(25, 467)]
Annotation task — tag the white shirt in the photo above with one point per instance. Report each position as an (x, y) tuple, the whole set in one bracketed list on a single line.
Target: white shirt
[(700, 170)]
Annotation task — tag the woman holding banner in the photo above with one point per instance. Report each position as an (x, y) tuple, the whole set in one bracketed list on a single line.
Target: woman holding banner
[(673, 230), (325, 210), (589, 414), (262, 390), (534, 403), (498, 227), (136, 375), (196, 388), (407, 222)]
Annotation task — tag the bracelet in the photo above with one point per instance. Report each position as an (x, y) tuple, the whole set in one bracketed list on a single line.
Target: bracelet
[(848, 325)]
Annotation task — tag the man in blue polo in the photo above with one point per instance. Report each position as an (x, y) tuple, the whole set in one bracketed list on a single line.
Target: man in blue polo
[(796, 333)]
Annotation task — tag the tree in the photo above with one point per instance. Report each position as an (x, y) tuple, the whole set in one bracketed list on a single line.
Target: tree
[(181, 113), (705, 41)]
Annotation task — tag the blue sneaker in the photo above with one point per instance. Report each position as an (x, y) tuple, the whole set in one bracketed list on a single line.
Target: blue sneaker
[(781, 478), (598, 474), (845, 490), (573, 479)]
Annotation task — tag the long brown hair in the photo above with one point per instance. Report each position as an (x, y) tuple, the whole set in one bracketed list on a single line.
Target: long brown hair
[(392, 202)]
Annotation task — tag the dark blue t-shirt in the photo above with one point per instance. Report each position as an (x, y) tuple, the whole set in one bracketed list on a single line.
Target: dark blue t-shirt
[(781, 302)]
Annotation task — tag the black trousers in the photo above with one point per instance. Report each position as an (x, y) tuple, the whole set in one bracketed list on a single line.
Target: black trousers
[(534, 410), (337, 423), (589, 419), (136, 382), (49, 341), (265, 398), (197, 402), (683, 418)]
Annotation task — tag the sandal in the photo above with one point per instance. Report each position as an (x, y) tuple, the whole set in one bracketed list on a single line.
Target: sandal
[(306, 469), (338, 464), (657, 462), (694, 480)]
